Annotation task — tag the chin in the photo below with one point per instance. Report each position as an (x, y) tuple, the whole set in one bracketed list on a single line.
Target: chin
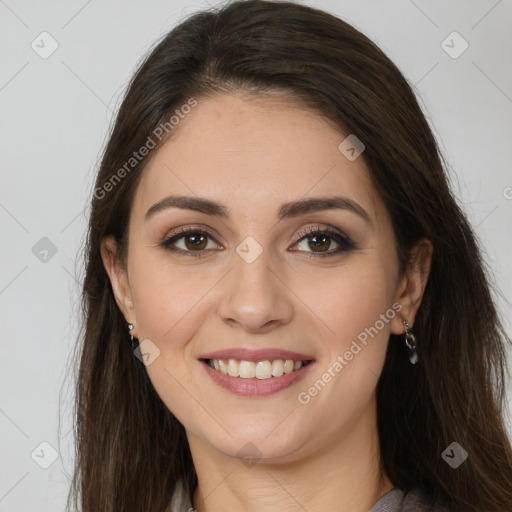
[(271, 441)]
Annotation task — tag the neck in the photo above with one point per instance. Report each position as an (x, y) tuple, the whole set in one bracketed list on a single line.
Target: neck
[(345, 476)]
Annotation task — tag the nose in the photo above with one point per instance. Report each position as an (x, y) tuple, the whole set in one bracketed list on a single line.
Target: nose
[(254, 296)]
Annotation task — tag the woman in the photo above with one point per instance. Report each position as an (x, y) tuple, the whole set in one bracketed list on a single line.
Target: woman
[(312, 327)]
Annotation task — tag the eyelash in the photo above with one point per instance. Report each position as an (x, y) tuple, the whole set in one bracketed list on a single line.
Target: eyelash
[(344, 242)]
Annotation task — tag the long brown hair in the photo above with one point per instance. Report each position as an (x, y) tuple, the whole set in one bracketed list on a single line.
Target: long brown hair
[(130, 449)]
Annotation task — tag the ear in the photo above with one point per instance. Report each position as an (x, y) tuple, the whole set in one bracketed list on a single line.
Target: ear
[(118, 278), (412, 285)]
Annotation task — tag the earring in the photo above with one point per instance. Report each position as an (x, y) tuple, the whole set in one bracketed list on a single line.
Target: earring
[(410, 341), (130, 328)]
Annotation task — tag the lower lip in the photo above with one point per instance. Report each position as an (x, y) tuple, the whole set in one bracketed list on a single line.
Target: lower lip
[(256, 387)]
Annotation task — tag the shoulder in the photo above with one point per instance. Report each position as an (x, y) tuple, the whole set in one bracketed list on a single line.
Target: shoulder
[(414, 500)]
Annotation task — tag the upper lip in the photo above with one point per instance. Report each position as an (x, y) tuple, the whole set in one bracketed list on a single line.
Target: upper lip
[(244, 354)]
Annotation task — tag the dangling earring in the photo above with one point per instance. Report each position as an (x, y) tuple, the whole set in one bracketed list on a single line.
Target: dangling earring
[(130, 328), (410, 341)]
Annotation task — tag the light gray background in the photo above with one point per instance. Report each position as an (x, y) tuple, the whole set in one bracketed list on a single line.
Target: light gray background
[(55, 113)]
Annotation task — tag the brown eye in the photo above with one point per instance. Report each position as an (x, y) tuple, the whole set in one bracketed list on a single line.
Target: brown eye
[(317, 243), (193, 242)]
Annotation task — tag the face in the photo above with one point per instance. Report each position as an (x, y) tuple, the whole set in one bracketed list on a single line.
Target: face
[(253, 277)]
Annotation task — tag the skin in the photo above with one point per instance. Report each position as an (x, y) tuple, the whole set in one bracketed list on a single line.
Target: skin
[(252, 156)]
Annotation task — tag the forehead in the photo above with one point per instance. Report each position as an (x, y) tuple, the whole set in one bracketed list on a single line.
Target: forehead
[(254, 153)]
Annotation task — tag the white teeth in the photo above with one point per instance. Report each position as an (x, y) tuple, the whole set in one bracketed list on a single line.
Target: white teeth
[(223, 366), (233, 368), (260, 369), (264, 370), (277, 368), (288, 366), (247, 369)]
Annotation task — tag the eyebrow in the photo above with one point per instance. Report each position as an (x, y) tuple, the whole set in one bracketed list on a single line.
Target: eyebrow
[(286, 210)]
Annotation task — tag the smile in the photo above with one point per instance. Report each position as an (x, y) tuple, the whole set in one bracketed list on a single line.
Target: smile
[(257, 377), (261, 370)]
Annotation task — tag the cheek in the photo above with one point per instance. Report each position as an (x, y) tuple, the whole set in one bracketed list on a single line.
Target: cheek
[(358, 311), (354, 299), (167, 299), (170, 307)]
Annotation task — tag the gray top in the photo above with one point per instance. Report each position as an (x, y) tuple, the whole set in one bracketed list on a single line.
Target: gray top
[(394, 501), (398, 501)]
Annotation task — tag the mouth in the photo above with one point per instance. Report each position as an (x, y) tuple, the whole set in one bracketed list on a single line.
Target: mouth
[(262, 370), (256, 373)]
